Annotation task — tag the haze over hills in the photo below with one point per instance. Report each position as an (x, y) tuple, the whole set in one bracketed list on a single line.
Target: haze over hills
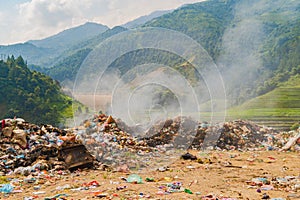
[(70, 36), (255, 45), (29, 51), (143, 19), (242, 38), (44, 52), (251, 42)]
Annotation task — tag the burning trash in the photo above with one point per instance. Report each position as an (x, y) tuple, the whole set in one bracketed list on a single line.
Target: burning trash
[(28, 147)]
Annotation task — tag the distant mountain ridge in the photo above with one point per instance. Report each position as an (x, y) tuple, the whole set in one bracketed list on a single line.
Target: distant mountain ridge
[(255, 44), (257, 39), (146, 18), (44, 52), (70, 36), (27, 50)]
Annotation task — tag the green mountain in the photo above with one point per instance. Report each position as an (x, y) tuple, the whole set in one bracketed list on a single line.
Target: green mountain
[(255, 45), (66, 67), (31, 95), (205, 22), (29, 51), (71, 36), (94, 41), (279, 108), (45, 52)]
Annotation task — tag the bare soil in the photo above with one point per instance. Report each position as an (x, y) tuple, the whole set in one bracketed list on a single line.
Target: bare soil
[(97, 102), (226, 176)]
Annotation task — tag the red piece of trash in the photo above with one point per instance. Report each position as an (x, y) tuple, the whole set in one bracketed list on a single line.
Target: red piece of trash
[(93, 183)]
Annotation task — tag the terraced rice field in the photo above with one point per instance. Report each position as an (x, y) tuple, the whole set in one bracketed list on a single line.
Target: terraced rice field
[(279, 108)]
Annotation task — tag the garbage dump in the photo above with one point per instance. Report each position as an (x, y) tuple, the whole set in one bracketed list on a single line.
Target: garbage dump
[(35, 157), (27, 147), (110, 144), (238, 134), (168, 139)]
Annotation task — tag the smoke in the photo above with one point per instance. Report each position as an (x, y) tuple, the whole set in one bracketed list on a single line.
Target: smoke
[(141, 91), (242, 43), (159, 94), (146, 93)]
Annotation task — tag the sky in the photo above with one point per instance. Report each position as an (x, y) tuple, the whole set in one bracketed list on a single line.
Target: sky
[(23, 20)]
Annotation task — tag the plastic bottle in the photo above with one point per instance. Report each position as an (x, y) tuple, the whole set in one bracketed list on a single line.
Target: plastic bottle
[(6, 188)]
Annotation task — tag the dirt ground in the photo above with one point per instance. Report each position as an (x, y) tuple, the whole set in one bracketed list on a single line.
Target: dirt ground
[(94, 101), (226, 176)]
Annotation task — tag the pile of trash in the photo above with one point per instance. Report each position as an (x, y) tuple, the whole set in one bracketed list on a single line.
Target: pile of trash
[(242, 135), (106, 138), (103, 128), (110, 144), (284, 141), (185, 132), (180, 132), (26, 148)]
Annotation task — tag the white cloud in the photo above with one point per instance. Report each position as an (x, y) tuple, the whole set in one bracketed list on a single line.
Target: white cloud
[(41, 18)]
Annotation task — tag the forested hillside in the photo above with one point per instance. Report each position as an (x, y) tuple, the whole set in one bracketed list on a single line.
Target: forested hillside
[(67, 64), (205, 22), (31, 95), (254, 43)]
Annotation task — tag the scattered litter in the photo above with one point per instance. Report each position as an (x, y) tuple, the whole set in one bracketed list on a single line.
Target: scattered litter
[(57, 197), (41, 155), (134, 178), (6, 188)]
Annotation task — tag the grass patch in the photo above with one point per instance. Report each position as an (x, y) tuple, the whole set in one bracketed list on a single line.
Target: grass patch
[(280, 106)]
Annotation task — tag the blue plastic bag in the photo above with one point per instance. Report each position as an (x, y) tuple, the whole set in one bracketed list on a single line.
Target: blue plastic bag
[(6, 188)]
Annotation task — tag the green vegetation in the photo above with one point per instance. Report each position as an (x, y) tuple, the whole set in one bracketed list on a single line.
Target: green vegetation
[(31, 95), (205, 22), (256, 45), (281, 55), (279, 48), (68, 67), (160, 57), (208, 22), (68, 64), (280, 107)]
